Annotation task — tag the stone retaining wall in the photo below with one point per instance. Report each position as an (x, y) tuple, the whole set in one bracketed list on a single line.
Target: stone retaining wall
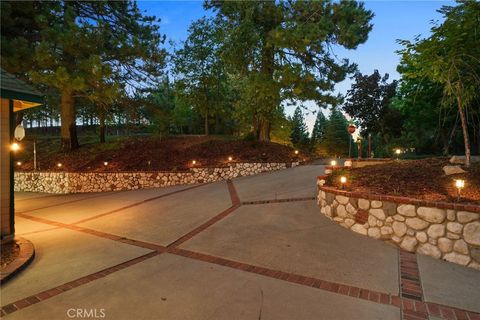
[(76, 182), (441, 230)]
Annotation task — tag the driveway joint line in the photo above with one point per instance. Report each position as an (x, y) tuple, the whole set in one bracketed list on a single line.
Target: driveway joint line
[(68, 202), (411, 306), (407, 306), (410, 309), (411, 288), (136, 204), (49, 293), (235, 205)]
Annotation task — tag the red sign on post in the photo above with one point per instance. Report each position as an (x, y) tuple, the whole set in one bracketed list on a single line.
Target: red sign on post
[(351, 129)]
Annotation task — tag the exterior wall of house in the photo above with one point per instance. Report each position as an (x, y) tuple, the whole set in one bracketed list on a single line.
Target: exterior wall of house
[(5, 174)]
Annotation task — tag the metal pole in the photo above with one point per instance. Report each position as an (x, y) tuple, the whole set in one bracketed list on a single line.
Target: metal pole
[(349, 146), (35, 155)]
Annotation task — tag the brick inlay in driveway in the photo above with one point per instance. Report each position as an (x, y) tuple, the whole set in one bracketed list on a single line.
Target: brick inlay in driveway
[(409, 299)]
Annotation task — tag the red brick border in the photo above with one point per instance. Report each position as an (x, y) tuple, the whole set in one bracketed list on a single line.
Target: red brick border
[(137, 203), (233, 193), (411, 287), (24, 258), (104, 194), (100, 234), (202, 227), (278, 200), (235, 205), (411, 308), (23, 303), (410, 283)]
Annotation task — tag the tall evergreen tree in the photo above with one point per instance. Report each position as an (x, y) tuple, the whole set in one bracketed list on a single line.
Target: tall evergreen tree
[(319, 127), (281, 49), (82, 49), (299, 135), (200, 74), (336, 140)]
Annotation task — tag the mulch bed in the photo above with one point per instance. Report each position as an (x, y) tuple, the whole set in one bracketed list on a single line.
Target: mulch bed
[(9, 253), (420, 179), (156, 154)]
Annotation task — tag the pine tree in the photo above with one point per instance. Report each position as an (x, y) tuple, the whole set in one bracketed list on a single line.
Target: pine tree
[(278, 48), (82, 49), (319, 127), (299, 135), (336, 138)]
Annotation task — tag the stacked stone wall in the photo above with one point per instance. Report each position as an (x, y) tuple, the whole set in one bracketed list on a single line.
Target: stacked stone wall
[(76, 182), (447, 231)]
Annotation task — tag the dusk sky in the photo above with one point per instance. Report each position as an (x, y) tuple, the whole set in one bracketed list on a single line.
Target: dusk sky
[(393, 20)]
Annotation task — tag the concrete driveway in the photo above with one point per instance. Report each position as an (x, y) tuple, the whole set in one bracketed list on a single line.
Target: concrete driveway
[(252, 248)]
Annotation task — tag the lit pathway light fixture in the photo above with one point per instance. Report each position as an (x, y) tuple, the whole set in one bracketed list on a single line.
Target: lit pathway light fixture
[(459, 184), (343, 181), (333, 163), (398, 152)]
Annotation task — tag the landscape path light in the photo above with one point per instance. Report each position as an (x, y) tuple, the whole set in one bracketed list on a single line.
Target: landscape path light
[(398, 152), (105, 163), (194, 162), (230, 158), (59, 165), (296, 151), (343, 180), (459, 184), (333, 163)]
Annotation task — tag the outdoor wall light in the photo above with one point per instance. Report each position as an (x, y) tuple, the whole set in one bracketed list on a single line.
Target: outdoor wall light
[(19, 163), (296, 151), (230, 158), (333, 163), (14, 147), (343, 180), (194, 162), (59, 165), (105, 163), (459, 184)]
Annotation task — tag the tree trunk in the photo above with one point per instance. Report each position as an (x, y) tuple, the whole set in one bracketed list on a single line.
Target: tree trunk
[(101, 119), (465, 132), (206, 124), (263, 133), (68, 131)]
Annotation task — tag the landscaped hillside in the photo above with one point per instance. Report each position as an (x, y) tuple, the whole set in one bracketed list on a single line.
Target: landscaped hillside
[(152, 153), (421, 179)]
